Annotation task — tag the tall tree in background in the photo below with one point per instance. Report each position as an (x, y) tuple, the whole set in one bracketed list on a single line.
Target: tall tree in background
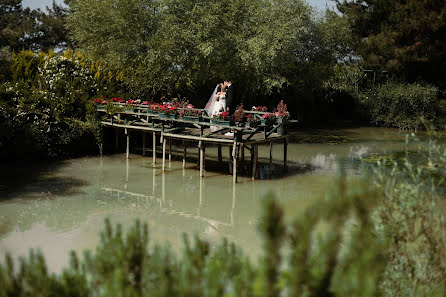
[(23, 28), (407, 37), (50, 31), (267, 48)]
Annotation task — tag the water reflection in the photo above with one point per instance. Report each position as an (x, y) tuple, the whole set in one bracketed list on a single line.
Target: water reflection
[(64, 208)]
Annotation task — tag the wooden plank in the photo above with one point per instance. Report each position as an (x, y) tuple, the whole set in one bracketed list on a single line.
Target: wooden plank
[(221, 130), (252, 134), (267, 140), (130, 127), (197, 138)]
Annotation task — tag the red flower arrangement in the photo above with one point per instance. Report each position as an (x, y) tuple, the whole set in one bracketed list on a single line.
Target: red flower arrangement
[(190, 112), (260, 108), (252, 118), (224, 116), (269, 116), (168, 109)]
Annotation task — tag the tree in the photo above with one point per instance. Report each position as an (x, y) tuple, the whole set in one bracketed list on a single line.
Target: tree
[(267, 48), (404, 36), (50, 31), (32, 29)]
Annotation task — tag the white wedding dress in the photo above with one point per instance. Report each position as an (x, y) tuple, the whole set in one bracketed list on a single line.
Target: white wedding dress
[(214, 107), (220, 105)]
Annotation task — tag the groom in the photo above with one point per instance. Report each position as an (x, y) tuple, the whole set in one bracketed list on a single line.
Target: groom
[(231, 102)]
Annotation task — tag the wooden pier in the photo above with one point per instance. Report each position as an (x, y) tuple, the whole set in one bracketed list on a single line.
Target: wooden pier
[(201, 131)]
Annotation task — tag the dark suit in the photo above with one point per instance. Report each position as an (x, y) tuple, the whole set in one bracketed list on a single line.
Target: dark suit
[(231, 101)]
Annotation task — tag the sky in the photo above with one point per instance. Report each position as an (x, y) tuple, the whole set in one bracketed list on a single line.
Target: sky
[(43, 3)]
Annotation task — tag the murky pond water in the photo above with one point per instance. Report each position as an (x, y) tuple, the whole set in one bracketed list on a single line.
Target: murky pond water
[(62, 207)]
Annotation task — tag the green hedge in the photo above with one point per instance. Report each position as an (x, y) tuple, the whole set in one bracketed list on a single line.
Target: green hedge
[(403, 105)]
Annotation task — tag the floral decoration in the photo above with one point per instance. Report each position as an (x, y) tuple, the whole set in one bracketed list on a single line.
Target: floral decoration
[(223, 116)]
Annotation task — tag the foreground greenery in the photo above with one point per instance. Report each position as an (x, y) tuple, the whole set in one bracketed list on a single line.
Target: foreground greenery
[(382, 236)]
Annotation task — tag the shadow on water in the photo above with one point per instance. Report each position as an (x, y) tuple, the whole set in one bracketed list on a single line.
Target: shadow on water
[(23, 180), (267, 170)]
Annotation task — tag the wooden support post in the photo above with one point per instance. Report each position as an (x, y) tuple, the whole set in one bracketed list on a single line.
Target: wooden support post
[(184, 153), (153, 182), (154, 149), (202, 158), (143, 143), (251, 165), (230, 160), (127, 151), (170, 149), (255, 168), (117, 139), (198, 159), (270, 158), (219, 154), (234, 157), (101, 146), (285, 148), (164, 154), (242, 158)]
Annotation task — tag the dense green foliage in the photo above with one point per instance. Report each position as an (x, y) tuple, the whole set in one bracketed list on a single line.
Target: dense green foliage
[(383, 236), (402, 105), (269, 49), (403, 36), (23, 28), (410, 218), (47, 108)]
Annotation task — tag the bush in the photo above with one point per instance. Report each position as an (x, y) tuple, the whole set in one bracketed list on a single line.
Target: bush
[(410, 220), (46, 111), (403, 105)]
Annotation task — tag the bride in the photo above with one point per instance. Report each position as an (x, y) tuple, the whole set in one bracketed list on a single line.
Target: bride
[(217, 102)]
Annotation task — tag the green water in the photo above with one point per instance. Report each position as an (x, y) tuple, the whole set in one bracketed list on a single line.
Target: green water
[(62, 207)]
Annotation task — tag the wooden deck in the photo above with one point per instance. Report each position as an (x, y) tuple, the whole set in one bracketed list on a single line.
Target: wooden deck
[(202, 132)]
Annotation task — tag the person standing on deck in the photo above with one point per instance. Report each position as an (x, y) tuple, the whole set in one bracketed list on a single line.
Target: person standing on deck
[(231, 101)]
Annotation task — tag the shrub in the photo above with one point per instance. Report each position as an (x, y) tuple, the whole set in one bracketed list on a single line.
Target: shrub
[(410, 220), (403, 105)]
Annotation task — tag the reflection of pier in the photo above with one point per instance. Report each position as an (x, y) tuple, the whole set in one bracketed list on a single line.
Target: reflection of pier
[(139, 119), (167, 206)]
